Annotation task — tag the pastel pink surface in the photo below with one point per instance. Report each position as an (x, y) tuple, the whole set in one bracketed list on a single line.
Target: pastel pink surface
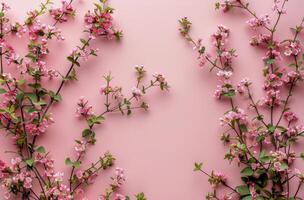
[(157, 148)]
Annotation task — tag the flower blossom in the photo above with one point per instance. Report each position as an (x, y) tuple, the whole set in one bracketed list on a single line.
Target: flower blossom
[(241, 87), (100, 23), (61, 14), (290, 117), (136, 92), (293, 49), (216, 179), (258, 22), (83, 109), (236, 115)]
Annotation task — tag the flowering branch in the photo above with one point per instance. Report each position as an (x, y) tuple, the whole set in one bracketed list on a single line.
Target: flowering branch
[(25, 103), (263, 146)]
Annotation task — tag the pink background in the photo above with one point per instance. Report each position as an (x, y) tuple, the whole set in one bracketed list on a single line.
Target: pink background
[(157, 148)]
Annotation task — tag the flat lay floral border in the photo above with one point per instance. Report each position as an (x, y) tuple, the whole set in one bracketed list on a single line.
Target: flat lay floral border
[(261, 137), (260, 142), (26, 102)]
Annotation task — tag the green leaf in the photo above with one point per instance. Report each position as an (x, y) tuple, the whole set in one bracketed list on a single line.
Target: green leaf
[(271, 128), (140, 196), (198, 166), (71, 59), (98, 6), (87, 133), (249, 197), (56, 97), (2, 91), (263, 180), (283, 166), (83, 41), (302, 156), (247, 171), (231, 93), (20, 96), (40, 149), (243, 190), (264, 158), (72, 76), (270, 61), (243, 128), (68, 161), (20, 82), (95, 120), (40, 103), (30, 162), (32, 97), (76, 164)]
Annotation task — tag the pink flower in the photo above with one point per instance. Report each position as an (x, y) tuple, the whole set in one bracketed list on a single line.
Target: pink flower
[(293, 49), (15, 162), (103, 89), (119, 178), (159, 77), (58, 177), (79, 174), (272, 98), (61, 14), (226, 197), (220, 37), (273, 55), (253, 192), (5, 6), (290, 117), (293, 131), (28, 183), (241, 87), (99, 23), (272, 81), (277, 166), (226, 5), (83, 109), (225, 90), (232, 116), (80, 147), (2, 165), (261, 39), (217, 178), (37, 128), (203, 59), (224, 75), (18, 29), (136, 93), (120, 197), (258, 22), (291, 76)]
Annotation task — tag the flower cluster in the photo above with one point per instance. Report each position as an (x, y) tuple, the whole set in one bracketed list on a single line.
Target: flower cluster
[(216, 179), (83, 109), (100, 23), (259, 22), (61, 14), (293, 49), (26, 98), (260, 140), (219, 39), (115, 101)]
